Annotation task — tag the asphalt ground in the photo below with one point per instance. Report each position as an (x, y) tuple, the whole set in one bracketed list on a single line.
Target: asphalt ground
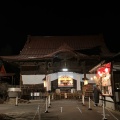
[(64, 109)]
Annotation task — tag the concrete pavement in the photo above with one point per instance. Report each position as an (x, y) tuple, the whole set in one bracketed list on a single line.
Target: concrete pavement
[(64, 109)]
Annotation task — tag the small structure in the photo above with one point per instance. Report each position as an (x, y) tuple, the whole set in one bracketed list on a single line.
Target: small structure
[(14, 92)]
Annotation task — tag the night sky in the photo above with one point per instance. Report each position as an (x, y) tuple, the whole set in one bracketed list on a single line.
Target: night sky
[(20, 19)]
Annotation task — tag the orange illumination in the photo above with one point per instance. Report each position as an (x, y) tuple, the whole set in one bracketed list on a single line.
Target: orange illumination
[(85, 82)]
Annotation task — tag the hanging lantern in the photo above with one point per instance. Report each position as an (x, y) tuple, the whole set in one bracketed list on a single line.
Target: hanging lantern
[(44, 81), (85, 82), (85, 79), (45, 85)]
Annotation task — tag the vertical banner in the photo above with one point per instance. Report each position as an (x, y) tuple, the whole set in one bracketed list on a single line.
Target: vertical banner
[(48, 81), (78, 82)]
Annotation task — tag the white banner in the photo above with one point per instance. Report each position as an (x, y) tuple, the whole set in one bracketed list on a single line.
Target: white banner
[(32, 79)]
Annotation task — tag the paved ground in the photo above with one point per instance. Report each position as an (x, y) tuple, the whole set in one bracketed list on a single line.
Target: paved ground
[(59, 110)]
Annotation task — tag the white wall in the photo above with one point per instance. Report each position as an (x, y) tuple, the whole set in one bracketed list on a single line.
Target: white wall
[(54, 76), (37, 79), (32, 79), (76, 76), (70, 74)]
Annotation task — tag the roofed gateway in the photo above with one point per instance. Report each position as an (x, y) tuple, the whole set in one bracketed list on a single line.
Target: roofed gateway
[(44, 57)]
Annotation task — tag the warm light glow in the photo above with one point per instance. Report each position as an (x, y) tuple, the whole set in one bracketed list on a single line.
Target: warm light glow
[(98, 72), (45, 83), (95, 77), (106, 70), (65, 81), (91, 78), (65, 69), (85, 82)]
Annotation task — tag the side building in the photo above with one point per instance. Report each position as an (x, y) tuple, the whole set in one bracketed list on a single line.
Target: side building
[(107, 77)]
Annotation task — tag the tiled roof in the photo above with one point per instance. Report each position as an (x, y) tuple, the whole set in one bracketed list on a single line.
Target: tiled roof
[(38, 47)]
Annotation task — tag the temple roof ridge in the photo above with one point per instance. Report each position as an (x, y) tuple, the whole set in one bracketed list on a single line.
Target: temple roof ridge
[(65, 46)]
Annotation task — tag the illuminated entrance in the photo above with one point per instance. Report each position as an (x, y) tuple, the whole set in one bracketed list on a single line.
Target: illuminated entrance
[(65, 81)]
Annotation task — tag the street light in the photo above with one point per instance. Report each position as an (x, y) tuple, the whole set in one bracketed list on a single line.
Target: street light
[(65, 68)]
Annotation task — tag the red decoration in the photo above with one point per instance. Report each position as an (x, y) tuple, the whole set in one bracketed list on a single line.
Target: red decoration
[(104, 69)]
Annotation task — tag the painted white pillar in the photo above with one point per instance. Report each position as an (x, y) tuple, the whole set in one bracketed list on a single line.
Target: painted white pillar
[(104, 117), (89, 104), (48, 83), (83, 100), (49, 101), (16, 101), (46, 111)]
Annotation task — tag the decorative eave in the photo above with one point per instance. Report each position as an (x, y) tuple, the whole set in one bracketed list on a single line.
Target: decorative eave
[(115, 58), (62, 49)]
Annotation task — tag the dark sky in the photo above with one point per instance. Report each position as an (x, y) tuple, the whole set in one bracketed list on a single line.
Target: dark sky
[(19, 19)]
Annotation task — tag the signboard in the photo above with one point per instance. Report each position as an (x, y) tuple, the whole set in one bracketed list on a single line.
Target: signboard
[(65, 81), (104, 79)]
